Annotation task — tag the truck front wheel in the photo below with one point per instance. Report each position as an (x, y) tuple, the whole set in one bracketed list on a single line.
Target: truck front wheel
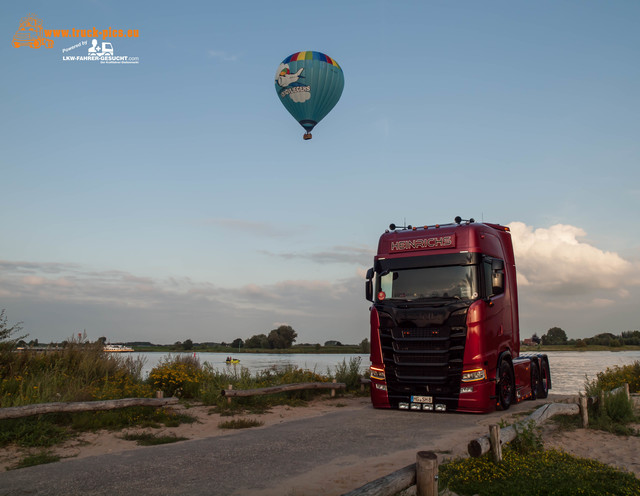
[(505, 385)]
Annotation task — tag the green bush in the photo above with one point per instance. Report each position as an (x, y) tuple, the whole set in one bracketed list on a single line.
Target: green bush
[(614, 377), (179, 376)]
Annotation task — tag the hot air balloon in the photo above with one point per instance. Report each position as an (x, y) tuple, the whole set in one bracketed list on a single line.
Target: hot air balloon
[(309, 85)]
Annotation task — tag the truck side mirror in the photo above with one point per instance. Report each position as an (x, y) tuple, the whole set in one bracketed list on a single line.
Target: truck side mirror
[(368, 287), (497, 277)]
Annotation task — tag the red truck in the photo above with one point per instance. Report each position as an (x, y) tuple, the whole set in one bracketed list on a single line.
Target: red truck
[(444, 321)]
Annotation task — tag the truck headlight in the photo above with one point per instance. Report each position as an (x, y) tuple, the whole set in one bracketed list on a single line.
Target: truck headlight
[(377, 373), (473, 375)]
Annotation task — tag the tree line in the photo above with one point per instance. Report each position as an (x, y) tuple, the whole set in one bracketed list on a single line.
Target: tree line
[(557, 336)]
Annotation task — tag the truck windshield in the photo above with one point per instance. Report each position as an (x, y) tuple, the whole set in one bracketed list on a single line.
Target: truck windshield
[(455, 282)]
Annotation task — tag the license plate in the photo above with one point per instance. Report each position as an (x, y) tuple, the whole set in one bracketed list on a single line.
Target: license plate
[(422, 399)]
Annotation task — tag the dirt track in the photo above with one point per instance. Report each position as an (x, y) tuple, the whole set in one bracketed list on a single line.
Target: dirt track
[(328, 453)]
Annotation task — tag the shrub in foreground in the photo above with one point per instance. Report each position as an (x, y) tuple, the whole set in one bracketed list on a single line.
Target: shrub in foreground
[(614, 377), (545, 472)]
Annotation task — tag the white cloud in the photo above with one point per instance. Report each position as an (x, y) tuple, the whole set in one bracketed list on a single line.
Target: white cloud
[(557, 261), (566, 281), (359, 255), (222, 55)]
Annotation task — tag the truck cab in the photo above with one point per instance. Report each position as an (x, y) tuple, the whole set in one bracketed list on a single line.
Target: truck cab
[(444, 321)]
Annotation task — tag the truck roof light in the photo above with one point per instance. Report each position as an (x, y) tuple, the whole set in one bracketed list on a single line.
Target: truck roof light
[(392, 227)]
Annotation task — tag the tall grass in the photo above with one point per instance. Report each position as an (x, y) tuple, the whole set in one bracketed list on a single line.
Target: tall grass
[(83, 372), (186, 377), (349, 373), (616, 412), (78, 372)]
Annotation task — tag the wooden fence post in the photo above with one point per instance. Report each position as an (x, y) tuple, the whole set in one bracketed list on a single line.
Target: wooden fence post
[(494, 439), (584, 411), (626, 390), (426, 473), (229, 397), (333, 391), (159, 394)]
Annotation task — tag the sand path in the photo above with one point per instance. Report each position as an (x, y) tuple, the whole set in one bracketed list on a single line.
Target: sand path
[(343, 473)]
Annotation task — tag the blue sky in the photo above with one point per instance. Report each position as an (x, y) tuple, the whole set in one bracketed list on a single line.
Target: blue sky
[(175, 198)]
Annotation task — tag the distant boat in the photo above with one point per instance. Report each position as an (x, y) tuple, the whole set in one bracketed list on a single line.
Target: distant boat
[(232, 360), (117, 348)]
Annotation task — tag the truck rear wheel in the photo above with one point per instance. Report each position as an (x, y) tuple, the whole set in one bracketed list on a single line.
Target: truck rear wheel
[(545, 377), (505, 385), (535, 380)]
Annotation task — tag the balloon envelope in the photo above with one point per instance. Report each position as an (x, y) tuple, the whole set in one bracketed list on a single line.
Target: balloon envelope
[(309, 85)]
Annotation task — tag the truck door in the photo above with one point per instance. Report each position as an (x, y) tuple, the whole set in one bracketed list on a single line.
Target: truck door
[(498, 322)]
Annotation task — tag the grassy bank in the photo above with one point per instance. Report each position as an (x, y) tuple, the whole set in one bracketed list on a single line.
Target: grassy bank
[(528, 469), (83, 372)]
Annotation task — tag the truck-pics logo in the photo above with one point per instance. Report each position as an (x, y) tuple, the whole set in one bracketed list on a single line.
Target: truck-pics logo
[(31, 33), (424, 243)]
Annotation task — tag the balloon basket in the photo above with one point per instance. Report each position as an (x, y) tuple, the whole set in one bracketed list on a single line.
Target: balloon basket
[(307, 136)]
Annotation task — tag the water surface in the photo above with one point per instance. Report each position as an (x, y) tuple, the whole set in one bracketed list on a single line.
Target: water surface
[(568, 368)]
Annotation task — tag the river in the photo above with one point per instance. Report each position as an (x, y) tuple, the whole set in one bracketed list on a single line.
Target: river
[(568, 368)]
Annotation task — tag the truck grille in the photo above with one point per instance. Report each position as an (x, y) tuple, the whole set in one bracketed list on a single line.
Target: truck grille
[(423, 359)]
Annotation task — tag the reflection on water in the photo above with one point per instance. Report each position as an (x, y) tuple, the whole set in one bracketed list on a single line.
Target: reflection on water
[(568, 368)]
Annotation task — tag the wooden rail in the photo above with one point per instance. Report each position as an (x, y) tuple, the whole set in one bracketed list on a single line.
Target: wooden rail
[(480, 446), (84, 406), (497, 437), (423, 475), (282, 388), (593, 400), (389, 484)]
